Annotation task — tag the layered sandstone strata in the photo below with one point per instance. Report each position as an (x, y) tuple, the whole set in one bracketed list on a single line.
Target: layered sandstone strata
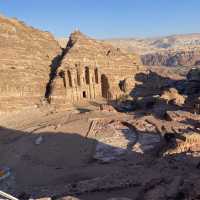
[(26, 57), (173, 58)]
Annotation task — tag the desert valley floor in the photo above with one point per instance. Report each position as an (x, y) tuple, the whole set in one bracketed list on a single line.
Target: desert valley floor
[(94, 154)]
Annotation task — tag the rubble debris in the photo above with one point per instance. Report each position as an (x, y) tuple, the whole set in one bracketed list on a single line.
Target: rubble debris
[(111, 146), (181, 116), (107, 108), (191, 143)]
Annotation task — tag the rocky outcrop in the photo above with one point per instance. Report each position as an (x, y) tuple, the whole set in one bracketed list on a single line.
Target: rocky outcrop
[(33, 66), (91, 69), (172, 95), (27, 56), (172, 58), (174, 50), (62, 42)]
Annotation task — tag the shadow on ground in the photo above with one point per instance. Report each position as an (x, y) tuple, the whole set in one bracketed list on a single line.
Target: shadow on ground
[(43, 164), (146, 95)]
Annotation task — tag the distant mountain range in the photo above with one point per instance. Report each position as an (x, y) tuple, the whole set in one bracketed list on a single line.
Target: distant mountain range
[(174, 50), (152, 45)]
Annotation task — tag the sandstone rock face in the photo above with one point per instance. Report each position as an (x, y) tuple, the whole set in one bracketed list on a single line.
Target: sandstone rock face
[(174, 58), (179, 116), (173, 95), (128, 84), (36, 66), (174, 50), (62, 42), (191, 144), (90, 69), (154, 81), (26, 57)]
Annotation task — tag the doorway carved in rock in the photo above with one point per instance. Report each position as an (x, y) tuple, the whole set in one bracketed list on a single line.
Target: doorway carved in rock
[(104, 86)]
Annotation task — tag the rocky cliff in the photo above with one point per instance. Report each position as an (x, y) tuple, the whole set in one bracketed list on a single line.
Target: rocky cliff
[(27, 55), (91, 69), (175, 50), (173, 58)]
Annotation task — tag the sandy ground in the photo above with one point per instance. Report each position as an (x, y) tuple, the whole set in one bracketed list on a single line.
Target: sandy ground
[(47, 149), (64, 155)]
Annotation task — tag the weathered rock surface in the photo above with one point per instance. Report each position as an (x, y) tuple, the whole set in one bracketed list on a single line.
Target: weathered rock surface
[(91, 69), (181, 116), (26, 57), (172, 58), (143, 46), (172, 95), (115, 139), (128, 84), (174, 50)]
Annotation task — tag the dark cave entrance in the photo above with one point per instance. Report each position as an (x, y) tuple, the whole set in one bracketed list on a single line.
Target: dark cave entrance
[(84, 94)]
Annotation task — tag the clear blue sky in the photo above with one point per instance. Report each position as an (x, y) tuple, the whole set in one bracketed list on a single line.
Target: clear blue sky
[(108, 18)]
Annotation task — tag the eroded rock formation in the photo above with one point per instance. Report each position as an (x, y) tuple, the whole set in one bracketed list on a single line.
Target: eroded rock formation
[(172, 58), (33, 66), (174, 50), (90, 69), (26, 57)]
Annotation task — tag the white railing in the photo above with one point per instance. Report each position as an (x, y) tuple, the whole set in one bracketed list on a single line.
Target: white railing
[(5, 196)]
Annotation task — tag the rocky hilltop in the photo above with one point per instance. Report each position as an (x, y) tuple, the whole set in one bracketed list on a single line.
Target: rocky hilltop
[(91, 69), (173, 50), (26, 57), (35, 68)]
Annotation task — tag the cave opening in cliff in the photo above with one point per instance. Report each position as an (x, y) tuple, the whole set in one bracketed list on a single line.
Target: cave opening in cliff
[(69, 78), (87, 75), (104, 86)]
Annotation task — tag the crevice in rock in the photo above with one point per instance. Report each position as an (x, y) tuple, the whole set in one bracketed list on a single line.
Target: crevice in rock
[(55, 64)]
